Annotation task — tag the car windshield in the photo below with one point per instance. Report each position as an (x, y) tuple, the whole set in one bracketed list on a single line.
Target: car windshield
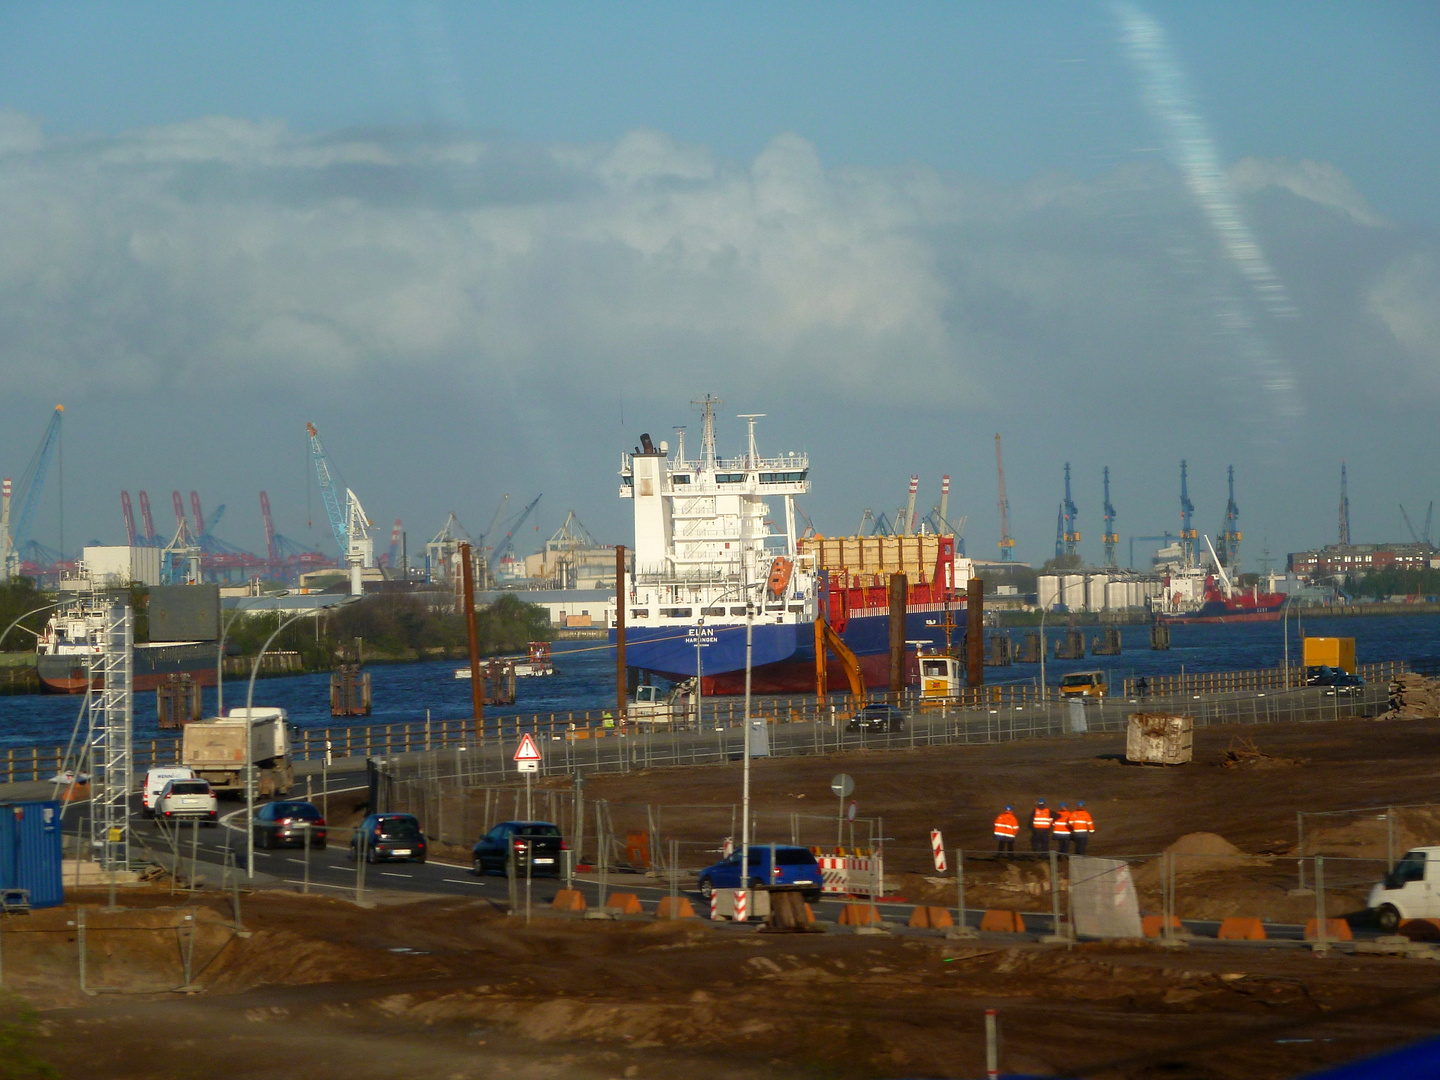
[(1410, 868), (1078, 680), (194, 787), (398, 828)]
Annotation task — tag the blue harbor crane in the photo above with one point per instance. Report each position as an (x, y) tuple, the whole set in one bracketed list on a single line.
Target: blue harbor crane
[(28, 490), (1110, 538), (1188, 535), (509, 542), (351, 525), (1072, 534), (1060, 531), (1231, 537)]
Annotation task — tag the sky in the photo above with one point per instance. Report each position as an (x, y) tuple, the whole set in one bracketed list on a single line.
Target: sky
[(483, 246)]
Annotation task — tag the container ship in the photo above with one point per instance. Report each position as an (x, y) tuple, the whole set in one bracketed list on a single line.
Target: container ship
[(68, 654), (705, 550)]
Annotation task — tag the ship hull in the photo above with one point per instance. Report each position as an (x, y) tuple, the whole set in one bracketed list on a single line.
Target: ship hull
[(783, 657), (152, 665), (1217, 609)]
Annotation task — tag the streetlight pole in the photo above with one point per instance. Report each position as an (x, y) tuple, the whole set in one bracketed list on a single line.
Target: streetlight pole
[(1043, 651), (250, 739), (27, 614), (220, 661), (1285, 630), (745, 799)]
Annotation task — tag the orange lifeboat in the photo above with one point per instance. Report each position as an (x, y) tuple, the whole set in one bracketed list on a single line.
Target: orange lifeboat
[(780, 576)]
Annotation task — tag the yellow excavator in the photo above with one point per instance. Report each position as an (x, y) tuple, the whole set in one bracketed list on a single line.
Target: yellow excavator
[(826, 637)]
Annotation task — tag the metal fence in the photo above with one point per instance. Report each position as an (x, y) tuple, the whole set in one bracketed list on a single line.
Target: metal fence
[(1224, 682)]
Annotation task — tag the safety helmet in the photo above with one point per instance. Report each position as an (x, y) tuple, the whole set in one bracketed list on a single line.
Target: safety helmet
[(1039, 802), (1063, 805), (1079, 802), (1008, 809)]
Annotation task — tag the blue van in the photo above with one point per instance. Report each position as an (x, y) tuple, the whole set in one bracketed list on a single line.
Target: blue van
[(793, 866)]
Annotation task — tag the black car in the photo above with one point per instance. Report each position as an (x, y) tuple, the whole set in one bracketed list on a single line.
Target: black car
[(389, 836), (878, 718), (533, 844), (284, 824)]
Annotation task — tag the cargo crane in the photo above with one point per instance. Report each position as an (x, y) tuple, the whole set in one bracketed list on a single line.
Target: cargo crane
[(939, 518), (810, 529), (180, 561), (152, 538), (32, 483), (1072, 534), (284, 554), (1231, 537), (351, 527), (1060, 531), (1424, 536), (129, 513), (1344, 510), (220, 561), (199, 518), (1188, 534), (1007, 545), (1109, 538), (509, 542)]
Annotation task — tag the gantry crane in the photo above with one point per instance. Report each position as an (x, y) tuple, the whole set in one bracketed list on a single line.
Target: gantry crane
[(1072, 532), (1188, 534), (1231, 537), (129, 513), (151, 536), (1109, 537), (350, 526), (1007, 545)]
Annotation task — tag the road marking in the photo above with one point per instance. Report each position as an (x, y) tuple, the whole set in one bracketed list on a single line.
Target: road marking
[(462, 881), (387, 873), (319, 884)]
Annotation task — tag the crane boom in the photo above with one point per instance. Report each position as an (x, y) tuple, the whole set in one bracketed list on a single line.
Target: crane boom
[(327, 491), (1007, 545), (1110, 539), (1230, 541), (1187, 512), (129, 513), (509, 540), (151, 537), (270, 549), (198, 517), (179, 503), (33, 482), (1070, 513)]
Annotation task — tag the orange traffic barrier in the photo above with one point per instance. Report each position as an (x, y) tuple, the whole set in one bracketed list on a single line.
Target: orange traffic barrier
[(568, 900), (859, 915), (1003, 922), (931, 918), (680, 908), (1241, 928), (626, 902), (1153, 925), (75, 793), (1335, 930)]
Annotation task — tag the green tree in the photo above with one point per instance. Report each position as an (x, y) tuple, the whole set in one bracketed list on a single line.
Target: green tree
[(18, 596)]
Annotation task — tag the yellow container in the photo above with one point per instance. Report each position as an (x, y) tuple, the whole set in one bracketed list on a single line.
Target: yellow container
[(1335, 652)]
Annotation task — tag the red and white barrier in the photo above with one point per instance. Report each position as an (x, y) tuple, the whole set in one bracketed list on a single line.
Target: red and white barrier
[(937, 848), (852, 875)]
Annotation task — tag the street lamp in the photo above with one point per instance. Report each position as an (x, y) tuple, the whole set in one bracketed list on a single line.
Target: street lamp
[(27, 614), (1043, 650), (250, 737), (745, 800), (220, 658)]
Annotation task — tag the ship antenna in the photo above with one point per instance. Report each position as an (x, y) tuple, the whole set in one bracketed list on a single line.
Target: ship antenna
[(707, 431), (751, 455)]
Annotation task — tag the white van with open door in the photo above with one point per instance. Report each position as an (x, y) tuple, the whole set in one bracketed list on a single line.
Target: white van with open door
[(1411, 890)]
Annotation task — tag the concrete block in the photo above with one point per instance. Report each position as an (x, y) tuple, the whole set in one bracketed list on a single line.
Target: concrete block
[(679, 909), (626, 903), (863, 914), (931, 918), (1154, 925), (1335, 930)]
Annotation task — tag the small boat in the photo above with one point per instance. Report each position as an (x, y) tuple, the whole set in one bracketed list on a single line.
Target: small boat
[(536, 661)]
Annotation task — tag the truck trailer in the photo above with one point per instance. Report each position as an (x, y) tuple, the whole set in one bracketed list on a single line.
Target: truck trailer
[(215, 749)]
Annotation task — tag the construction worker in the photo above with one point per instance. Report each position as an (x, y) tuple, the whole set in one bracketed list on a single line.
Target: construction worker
[(1006, 826), (606, 720), (1082, 825), (1060, 829), (1040, 823)]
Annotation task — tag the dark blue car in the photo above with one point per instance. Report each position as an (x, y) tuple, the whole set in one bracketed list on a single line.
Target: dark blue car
[(793, 866)]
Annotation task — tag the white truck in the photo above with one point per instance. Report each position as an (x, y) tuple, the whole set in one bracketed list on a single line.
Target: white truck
[(215, 749), (1410, 891), (652, 705)]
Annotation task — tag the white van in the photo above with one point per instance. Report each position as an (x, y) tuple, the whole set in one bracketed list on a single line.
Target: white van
[(1410, 891), (188, 800), (155, 781)]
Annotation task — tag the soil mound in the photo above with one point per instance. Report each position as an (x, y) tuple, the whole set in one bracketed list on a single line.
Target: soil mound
[(1203, 843)]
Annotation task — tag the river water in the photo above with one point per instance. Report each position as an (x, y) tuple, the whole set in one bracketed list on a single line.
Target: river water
[(585, 675)]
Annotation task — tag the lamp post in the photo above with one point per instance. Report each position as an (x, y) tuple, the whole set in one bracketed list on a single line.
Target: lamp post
[(220, 660), (1043, 650), (250, 739), (745, 799), (27, 614)]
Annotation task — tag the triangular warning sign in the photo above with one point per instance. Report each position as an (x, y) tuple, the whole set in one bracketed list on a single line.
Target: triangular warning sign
[(527, 750)]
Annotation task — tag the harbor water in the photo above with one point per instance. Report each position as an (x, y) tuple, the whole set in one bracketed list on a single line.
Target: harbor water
[(585, 675)]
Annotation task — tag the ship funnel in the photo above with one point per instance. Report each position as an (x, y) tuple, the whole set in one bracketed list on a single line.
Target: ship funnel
[(944, 503)]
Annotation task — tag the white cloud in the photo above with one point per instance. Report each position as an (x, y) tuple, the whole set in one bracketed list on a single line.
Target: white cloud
[(223, 253)]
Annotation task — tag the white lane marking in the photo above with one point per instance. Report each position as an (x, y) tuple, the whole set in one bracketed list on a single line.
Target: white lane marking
[(319, 884), (461, 881), (387, 873)]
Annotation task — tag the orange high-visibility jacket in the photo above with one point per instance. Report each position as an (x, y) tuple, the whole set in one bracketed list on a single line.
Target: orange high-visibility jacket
[(1061, 826), (1081, 821), (1007, 825), (1040, 819)]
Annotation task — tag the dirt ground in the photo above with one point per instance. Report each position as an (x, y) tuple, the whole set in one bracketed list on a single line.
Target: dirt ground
[(456, 988)]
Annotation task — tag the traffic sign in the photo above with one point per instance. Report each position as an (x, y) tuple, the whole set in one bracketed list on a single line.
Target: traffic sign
[(527, 750), (842, 785), (850, 811)]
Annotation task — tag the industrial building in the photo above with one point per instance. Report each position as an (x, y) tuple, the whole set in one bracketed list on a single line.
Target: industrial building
[(1335, 560)]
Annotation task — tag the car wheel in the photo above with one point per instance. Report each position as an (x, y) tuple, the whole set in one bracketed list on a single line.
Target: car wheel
[(1388, 918), (479, 867), (811, 897), (707, 889)]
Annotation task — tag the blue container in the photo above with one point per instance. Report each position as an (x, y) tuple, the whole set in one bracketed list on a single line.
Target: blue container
[(31, 852)]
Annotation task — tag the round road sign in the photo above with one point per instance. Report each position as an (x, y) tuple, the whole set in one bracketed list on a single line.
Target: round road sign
[(850, 811), (842, 785)]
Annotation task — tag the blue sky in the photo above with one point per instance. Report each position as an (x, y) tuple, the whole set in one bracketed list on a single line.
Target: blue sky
[(463, 238)]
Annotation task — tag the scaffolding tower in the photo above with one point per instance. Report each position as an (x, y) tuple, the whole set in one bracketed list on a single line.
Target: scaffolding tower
[(110, 732)]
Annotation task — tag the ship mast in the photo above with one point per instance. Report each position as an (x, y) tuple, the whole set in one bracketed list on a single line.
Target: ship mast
[(707, 431)]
